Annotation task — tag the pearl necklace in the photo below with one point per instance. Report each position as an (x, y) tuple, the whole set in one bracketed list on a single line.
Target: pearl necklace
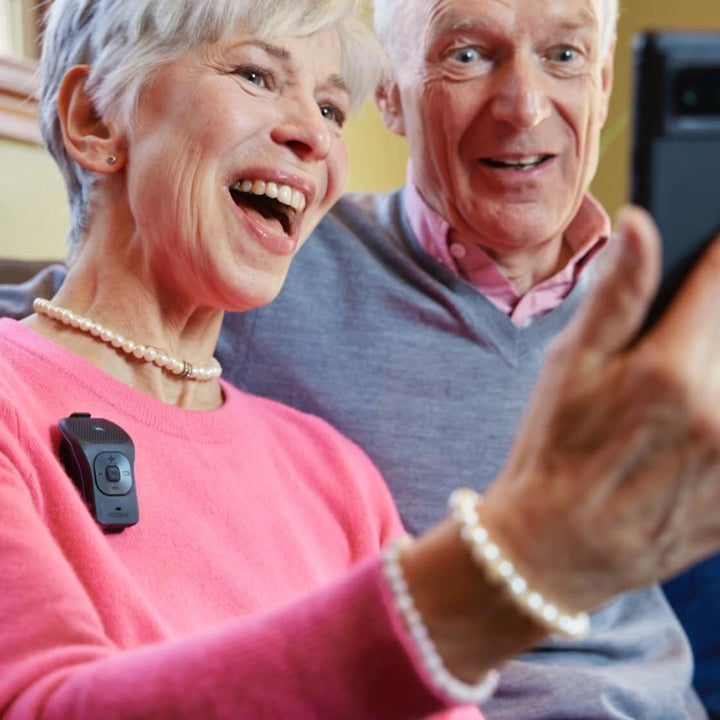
[(148, 353)]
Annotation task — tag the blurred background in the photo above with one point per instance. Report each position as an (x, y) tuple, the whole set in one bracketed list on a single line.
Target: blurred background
[(33, 215)]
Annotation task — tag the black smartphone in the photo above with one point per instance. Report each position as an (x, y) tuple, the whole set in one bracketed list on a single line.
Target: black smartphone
[(676, 146)]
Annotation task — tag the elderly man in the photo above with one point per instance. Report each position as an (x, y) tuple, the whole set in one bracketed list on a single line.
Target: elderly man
[(417, 322)]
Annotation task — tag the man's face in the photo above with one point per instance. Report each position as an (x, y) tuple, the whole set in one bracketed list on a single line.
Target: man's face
[(502, 102)]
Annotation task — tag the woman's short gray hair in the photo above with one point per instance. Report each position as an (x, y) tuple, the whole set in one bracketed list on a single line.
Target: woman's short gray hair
[(390, 34), (125, 42)]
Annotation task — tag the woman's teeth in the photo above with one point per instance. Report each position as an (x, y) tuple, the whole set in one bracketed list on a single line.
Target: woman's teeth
[(282, 193)]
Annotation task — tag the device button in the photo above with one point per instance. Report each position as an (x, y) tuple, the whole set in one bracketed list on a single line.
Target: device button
[(113, 473)]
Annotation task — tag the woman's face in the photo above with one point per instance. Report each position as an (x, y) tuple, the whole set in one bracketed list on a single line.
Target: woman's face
[(235, 155)]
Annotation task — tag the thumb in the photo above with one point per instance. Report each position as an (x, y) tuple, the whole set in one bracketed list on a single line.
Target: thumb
[(615, 307)]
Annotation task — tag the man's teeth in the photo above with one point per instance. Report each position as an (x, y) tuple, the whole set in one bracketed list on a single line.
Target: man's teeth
[(282, 193), (521, 164)]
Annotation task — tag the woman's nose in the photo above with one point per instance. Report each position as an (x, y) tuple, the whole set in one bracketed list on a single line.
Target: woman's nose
[(303, 129), (522, 99)]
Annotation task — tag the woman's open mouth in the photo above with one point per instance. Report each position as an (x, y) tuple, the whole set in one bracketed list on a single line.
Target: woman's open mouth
[(275, 202)]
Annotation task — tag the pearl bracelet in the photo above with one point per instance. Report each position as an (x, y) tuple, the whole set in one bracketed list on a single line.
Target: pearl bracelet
[(443, 681), (463, 504)]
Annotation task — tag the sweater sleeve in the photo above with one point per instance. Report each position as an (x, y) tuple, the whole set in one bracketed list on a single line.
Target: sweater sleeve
[(337, 653)]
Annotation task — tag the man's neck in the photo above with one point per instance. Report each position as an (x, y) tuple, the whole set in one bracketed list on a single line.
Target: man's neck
[(525, 270)]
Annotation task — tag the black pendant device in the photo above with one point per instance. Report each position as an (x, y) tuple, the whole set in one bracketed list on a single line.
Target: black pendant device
[(98, 455)]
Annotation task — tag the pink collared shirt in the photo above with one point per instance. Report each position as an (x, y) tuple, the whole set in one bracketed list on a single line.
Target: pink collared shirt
[(587, 233)]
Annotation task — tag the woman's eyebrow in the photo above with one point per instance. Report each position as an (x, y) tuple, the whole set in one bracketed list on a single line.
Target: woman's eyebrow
[(276, 51)]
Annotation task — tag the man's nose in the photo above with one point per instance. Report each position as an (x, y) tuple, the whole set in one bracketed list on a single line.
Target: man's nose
[(302, 128), (521, 97)]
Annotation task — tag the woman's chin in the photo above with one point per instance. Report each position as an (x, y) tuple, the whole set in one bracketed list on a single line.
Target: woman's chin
[(250, 293)]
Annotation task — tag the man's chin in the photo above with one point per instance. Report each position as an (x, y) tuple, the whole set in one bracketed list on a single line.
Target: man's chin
[(512, 228)]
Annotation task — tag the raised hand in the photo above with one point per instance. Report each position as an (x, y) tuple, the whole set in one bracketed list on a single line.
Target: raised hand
[(614, 479)]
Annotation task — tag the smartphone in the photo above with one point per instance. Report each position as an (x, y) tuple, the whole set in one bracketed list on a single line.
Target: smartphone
[(676, 147)]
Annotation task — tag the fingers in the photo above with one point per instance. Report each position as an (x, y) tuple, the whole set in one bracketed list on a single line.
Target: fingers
[(615, 308)]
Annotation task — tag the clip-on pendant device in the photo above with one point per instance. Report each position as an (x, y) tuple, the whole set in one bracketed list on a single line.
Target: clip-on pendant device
[(98, 455)]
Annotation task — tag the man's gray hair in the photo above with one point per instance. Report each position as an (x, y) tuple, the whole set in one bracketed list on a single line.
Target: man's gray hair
[(391, 34), (125, 42)]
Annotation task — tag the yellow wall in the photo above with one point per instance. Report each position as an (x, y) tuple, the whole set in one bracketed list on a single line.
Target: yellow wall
[(33, 218), (33, 214), (377, 157)]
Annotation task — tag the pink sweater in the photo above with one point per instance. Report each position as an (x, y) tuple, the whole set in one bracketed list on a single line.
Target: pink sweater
[(231, 598)]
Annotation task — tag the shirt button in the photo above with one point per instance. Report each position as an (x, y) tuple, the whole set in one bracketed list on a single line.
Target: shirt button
[(458, 251)]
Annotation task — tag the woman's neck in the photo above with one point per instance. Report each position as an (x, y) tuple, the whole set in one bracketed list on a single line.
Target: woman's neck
[(126, 303)]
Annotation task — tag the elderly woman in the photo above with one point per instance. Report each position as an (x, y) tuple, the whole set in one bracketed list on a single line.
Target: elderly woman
[(200, 142)]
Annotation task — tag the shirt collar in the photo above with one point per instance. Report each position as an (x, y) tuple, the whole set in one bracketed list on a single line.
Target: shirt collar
[(585, 235)]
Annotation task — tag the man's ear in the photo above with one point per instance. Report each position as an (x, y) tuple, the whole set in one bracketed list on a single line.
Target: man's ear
[(387, 97), (90, 141)]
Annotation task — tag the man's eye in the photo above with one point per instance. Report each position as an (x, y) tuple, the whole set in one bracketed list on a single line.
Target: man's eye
[(333, 113), (564, 55), (466, 55)]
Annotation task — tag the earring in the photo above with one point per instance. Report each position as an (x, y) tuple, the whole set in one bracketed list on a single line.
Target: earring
[(111, 159)]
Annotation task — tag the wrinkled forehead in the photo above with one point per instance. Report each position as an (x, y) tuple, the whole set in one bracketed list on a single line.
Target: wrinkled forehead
[(427, 18)]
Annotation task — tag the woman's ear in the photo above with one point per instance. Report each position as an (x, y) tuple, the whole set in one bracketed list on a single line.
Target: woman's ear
[(91, 141), (387, 97)]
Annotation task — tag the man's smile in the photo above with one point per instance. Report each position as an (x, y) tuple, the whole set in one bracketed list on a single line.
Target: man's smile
[(524, 163)]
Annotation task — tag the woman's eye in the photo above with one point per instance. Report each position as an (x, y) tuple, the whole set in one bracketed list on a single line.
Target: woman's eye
[(466, 55), (333, 113), (256, 76)]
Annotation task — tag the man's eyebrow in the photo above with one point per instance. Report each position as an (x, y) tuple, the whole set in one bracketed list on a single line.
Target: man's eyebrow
[(451, 23), (580, 21), (336, 82)]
